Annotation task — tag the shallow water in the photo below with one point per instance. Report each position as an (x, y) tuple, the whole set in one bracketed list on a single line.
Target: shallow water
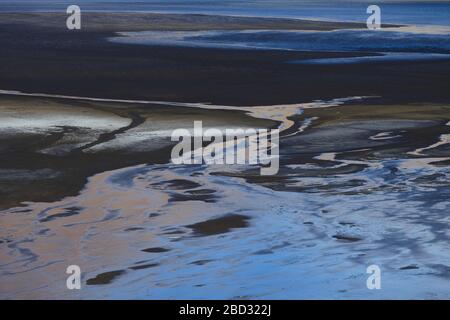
[(398, 44), (163, 241), (196, 231)]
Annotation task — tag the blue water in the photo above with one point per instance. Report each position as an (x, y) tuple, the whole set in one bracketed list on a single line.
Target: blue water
[(401, 12), (425, 13), (389, 45), (342, 40)]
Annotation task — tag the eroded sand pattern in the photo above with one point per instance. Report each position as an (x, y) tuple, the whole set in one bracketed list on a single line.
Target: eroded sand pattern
[(166, 231), (86, 177)]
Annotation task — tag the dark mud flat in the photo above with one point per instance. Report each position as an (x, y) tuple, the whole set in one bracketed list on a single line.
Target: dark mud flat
[(84, 63), (219, 225), (105, 278)]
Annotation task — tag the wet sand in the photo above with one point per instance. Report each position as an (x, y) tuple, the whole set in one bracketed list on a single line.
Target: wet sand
[(46, 143), (166, 231), (364, 175)]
